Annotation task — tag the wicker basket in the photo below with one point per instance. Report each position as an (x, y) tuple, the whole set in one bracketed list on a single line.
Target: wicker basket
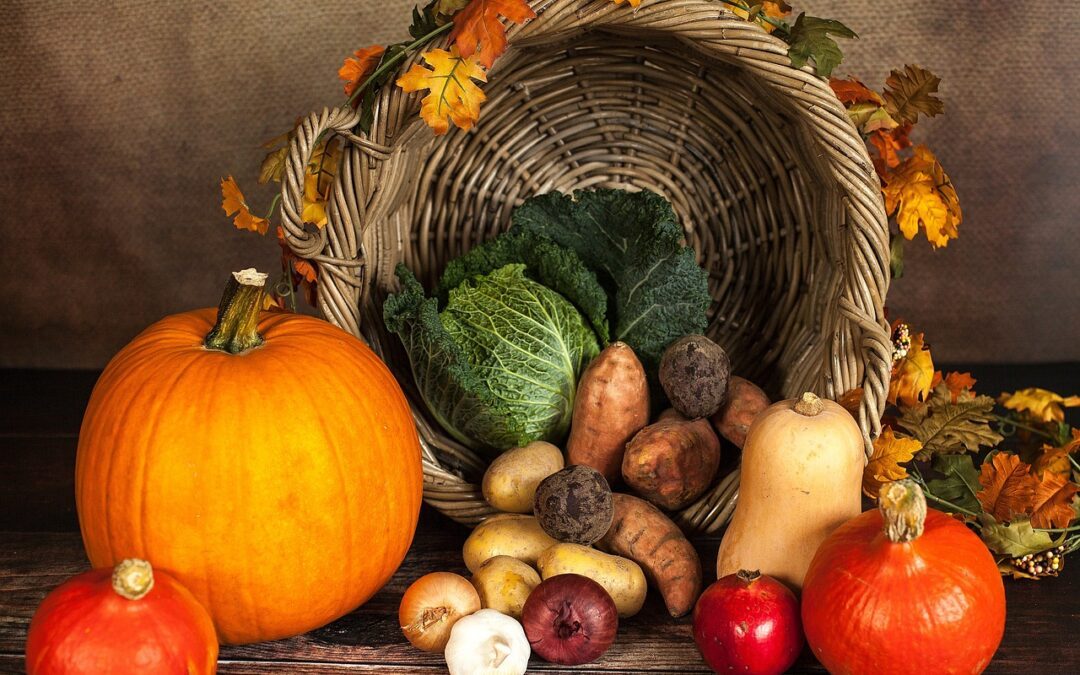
[(771, 182)]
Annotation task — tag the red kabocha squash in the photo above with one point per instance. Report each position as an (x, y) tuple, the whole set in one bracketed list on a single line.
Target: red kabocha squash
[(131, 619), (268, 460), (903, 589)]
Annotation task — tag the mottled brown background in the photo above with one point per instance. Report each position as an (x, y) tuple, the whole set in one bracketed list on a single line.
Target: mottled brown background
[(117, 119)]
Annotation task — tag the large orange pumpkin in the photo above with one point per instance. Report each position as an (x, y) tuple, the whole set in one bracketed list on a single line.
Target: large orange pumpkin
[(274, 470)]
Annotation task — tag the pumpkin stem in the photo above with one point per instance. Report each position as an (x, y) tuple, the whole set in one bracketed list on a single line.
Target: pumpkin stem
[(237, 327), (903, 508), (809, 405), (133, 578)]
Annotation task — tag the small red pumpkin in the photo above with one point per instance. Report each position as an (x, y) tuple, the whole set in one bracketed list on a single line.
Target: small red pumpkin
[(903, 589), (131, 619)]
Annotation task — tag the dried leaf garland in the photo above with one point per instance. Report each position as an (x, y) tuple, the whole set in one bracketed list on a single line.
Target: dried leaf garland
[(453, 96)]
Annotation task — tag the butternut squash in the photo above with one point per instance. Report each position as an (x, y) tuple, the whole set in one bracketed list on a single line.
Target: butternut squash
[(802, 469)]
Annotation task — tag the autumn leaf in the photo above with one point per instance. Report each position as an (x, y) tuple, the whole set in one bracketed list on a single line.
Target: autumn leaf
[(453, 96), (884, 465), (448, 7), (232, 202), (1013, 539), (1053, 502), (910, 92), (960, 483), (912, 374), (303, 273), (889, 143), (947, 427), (1055, 460), (810, 38), (356, 68), (1040, 404), (314, 208), (756, 9), (1008, 487), (272, 302), (920, 194), (633, 3), (958, 384), (478, 30), (273, 165), (851, 401), (852, 90)]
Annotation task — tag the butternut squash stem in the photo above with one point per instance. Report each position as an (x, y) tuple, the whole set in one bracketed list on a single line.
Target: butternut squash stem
[(133, 578), (237, 327), (903, 508), (809, 405)]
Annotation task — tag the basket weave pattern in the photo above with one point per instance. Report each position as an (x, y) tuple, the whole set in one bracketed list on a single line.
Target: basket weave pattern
[(770, 180)]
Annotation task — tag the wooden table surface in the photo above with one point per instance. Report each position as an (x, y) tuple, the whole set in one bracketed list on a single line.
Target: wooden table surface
[(40, 547)]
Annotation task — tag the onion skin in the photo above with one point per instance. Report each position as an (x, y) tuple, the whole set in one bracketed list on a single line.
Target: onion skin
[(933, 604), (432, 605), (748, 623), (570, 619)]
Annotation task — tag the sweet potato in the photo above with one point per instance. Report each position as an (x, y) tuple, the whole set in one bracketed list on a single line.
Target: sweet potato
[(612, 405), (642, 533), (671, 463), (744, 401)]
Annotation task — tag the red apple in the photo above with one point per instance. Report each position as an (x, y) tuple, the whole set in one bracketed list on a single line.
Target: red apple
[(748, 623)]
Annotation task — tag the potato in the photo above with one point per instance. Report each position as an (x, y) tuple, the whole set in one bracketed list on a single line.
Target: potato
[(621, 578), (672, 463), (514, 535), (504, 583), (694, 373), (510, 482), (744, 401), (612, 404)]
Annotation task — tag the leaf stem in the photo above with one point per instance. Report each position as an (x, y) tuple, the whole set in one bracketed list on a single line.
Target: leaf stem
[(1074, 528), (1020, 425), (775, 23), (1072, 461), (934, 498), (394, 60)]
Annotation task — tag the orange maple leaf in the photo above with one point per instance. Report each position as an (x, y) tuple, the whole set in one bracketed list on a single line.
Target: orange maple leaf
[(888, 143), (232, 202), (1041, 404), (912, 375), (1008, 487), (356, 68), (851, 401), (1056, 460), (633, 3), (478, 30), (305, 273), (852, 90), (453, 97), (921, 194), (957, 383), (885, 462), (1053, 502)]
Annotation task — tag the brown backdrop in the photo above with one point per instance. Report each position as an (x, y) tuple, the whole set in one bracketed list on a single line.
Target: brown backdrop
[(117, 120)]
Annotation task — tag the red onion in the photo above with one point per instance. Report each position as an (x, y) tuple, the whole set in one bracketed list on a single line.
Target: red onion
[(570, 619)]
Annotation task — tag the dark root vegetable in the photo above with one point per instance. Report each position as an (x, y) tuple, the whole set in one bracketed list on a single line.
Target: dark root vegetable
[(694, 373), (574, 505), (570, 619)]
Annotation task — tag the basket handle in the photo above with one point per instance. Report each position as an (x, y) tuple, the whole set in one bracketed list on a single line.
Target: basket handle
[(337, 248)]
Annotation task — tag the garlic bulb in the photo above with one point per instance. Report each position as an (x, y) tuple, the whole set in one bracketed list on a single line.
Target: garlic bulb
[(487, 642)]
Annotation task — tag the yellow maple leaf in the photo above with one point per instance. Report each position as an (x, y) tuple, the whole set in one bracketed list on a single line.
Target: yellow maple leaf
[(912, 374), (921, 194), (273, 165), (232, 202), (1040, 404), (453, 95), (884, 465), (356, 68), (314, 209)]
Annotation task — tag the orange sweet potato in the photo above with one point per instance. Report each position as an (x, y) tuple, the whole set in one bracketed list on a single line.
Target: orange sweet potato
[(612, 405), (672, 462), (641, 532), (744, 401)]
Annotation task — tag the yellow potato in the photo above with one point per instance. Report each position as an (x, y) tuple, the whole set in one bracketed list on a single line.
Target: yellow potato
[(514, 535), (510, 482), (621, 578), (504, 583)]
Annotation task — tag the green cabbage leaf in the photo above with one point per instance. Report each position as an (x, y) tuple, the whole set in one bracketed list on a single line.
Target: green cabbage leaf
[(498, 366)]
